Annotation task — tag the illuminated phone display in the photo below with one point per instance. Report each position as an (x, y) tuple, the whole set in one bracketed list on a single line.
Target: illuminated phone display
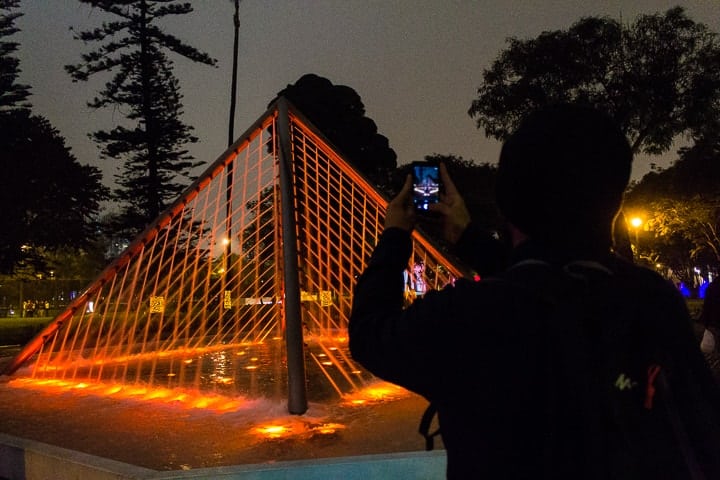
[(426, 184)]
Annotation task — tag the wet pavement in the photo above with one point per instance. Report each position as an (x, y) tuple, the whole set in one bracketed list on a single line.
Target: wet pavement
[(170, 436)]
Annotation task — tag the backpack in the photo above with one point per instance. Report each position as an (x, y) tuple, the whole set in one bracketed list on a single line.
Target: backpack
[(618, 405)]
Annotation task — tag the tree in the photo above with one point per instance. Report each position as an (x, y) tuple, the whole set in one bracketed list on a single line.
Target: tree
[(682, 234), (153, 149), (12, 94), (658, 77), (682, 207), (49, 199), (338, 112)]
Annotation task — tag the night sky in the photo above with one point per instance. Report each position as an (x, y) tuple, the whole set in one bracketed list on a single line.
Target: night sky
[(415, 63)]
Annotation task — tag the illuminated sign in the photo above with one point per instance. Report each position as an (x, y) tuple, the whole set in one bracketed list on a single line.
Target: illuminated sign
[(157, 304)]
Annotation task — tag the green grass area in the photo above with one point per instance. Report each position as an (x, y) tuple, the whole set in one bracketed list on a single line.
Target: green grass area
[(19, 331)]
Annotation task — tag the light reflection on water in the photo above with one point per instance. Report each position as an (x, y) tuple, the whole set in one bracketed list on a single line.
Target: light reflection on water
[(250, 370)]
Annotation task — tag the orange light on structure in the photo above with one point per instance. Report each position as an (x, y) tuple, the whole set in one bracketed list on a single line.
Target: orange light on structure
[(190, 400)]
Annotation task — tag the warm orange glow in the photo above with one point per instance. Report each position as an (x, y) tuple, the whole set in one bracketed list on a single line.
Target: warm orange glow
[(183, 352), (273, 431), (378, 392), (215, 403), (328, 428), (636, 222), (297, 428)]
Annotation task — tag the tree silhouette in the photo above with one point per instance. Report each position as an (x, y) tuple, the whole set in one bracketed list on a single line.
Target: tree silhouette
[(49, 200), (12, 94), (338, 112), (682, 208), (658, 77), (153, 149)]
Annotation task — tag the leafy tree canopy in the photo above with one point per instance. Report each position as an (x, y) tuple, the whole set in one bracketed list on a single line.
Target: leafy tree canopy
[(681, 205), (658, 77), (50, 199), (338, 112)]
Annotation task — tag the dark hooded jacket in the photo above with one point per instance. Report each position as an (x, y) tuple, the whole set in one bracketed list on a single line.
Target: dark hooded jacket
[(520, 395)]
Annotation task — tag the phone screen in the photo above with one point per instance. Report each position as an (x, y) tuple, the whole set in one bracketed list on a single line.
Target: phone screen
[(426, 185)]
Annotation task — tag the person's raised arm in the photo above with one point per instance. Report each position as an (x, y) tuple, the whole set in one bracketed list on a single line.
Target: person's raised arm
[(400, 211)]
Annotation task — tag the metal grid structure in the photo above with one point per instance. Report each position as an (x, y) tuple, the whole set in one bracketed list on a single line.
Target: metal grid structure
[(212, 272)]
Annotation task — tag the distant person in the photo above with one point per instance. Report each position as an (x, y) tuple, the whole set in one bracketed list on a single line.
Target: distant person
[(571, 363), (418, 278), (710, 317)]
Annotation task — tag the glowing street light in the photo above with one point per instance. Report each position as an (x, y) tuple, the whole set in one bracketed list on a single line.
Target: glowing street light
[(636, 223)]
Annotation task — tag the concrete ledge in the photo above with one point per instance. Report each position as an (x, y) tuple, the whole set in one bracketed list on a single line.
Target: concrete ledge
[(22, 459)]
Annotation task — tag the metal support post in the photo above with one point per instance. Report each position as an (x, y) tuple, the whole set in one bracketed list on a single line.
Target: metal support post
[(297, 388)]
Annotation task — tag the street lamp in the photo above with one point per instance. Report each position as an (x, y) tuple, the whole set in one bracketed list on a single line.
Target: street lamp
[(636, 223)]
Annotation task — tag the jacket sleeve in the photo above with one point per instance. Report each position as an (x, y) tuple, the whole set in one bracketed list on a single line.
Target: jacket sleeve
[(391, 342)]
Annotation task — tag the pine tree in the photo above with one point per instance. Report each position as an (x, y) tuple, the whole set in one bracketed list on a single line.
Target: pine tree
[(12, 94), (153, 148)]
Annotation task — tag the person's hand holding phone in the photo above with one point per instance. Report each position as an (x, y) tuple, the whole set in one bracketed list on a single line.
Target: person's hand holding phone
[(400, 211), (451, 208)]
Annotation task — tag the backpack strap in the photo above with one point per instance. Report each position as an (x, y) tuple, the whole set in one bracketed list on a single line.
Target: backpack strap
[(681, 435), (425, 423)]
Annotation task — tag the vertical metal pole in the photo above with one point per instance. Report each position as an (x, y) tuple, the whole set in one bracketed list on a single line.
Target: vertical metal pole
[(231, 174), (297, 388)]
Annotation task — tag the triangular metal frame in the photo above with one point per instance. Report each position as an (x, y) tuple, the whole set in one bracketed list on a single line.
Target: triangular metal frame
[(319, 220)]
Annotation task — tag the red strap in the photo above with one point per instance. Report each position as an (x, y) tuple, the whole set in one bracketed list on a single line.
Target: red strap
[(653, 372)]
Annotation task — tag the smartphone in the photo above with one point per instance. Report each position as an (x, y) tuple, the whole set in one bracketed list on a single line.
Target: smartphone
[(426, 184)]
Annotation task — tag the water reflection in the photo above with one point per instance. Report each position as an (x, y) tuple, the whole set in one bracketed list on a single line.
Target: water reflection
[(248, 370)]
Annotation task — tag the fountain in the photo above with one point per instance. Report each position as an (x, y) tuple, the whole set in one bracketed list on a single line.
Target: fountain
[(238, 294)]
